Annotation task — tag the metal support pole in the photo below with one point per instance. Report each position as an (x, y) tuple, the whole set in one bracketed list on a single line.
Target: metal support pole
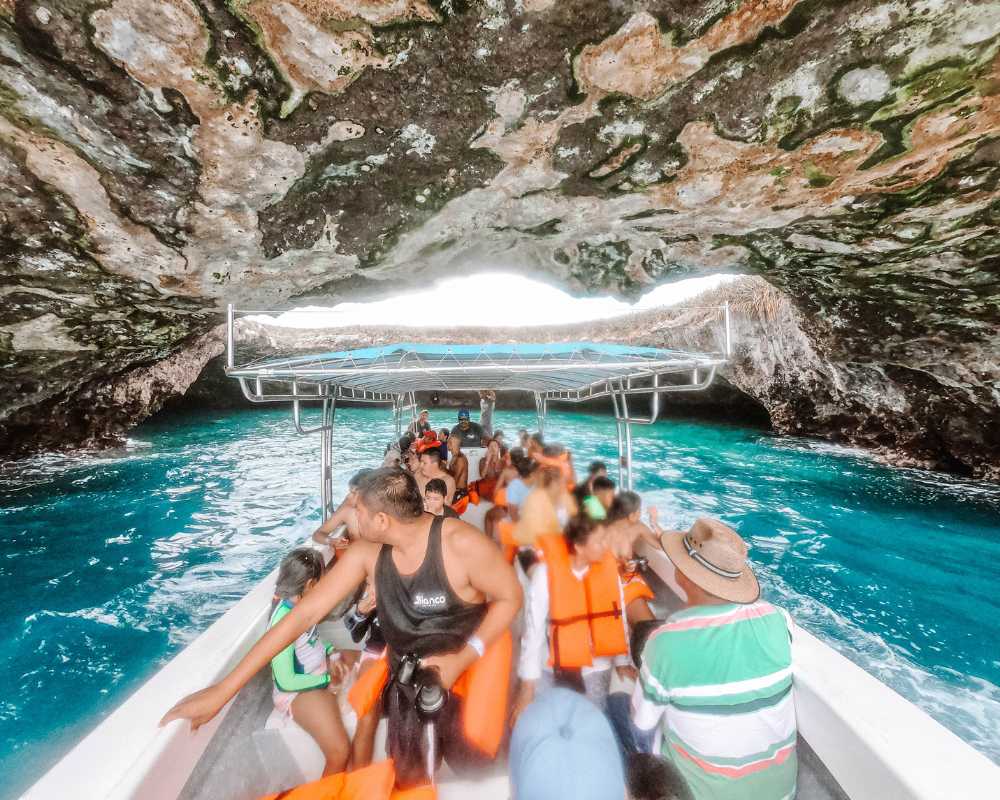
[(541, 405), (397, 414), (325, 472), (618, 430), (230, 336), (628, 443)]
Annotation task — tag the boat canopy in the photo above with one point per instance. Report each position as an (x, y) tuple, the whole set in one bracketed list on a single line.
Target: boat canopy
[(553, 372), (568, 371)]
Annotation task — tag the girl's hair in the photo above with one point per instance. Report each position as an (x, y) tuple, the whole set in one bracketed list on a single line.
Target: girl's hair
[(578, 530), (624, 504), (299, 567)]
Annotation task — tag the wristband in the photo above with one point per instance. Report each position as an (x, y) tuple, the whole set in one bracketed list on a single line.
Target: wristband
[(477, 644)]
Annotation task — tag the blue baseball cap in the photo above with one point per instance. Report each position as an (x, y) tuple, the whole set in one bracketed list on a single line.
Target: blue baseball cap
[(563, 746), (463, 413)]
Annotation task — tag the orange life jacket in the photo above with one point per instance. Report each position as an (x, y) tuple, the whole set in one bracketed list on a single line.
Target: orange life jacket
[(471, 495), (485, 487), (508, 543), (427, 443), (585, 616), (635, 587), (561, 463), (500, 497), (374, 782), (483, 686)]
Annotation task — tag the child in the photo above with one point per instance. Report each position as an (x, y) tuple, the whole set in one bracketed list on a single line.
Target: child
[(434, 496), (301, 671), (625, 528)]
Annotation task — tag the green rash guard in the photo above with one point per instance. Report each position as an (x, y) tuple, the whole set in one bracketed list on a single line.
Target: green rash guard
[(286, 668)]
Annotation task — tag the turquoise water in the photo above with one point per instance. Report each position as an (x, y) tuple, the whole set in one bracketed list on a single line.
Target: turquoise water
[(109, 565)]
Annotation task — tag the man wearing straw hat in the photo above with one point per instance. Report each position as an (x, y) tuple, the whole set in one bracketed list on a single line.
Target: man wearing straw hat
[(716, 677)]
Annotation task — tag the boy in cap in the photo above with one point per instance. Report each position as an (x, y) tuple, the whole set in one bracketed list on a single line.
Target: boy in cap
[(726, 653)]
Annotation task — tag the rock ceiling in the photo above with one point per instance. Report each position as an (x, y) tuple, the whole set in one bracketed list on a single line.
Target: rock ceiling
[(161, 159)]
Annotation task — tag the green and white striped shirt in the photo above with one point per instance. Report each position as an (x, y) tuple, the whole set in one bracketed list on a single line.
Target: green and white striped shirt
[(718, 681)]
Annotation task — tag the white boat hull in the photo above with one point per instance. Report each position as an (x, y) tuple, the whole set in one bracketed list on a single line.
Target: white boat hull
[(876, 744)]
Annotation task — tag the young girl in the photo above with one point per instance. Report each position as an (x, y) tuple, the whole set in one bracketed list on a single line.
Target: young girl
[(301, 672)]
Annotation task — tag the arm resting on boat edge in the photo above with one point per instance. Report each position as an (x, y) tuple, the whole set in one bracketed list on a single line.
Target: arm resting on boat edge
[(490, 574), (344, 578)]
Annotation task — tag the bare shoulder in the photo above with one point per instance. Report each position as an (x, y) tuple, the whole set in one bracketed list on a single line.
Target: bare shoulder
[(463, 538), (361, 551)]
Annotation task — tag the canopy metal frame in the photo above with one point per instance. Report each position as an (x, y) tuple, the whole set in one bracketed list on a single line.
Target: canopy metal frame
[(553, 373)]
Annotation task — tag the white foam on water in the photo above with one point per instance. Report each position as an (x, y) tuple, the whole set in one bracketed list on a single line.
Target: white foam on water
[(966, 705)]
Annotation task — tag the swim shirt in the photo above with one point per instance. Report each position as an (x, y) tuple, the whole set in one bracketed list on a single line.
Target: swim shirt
[(302, 664)]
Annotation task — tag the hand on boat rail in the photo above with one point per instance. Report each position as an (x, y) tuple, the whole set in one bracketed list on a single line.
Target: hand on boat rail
[(199, 707)]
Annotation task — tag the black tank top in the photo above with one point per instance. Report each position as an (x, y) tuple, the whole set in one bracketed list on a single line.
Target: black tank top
[(420, 613)]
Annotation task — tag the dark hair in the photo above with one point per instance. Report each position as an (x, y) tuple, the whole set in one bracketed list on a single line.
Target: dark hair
[(405, 441), (498, 433), (640, 634), (538, 439), (654, 778), (553, 450), (595, 467), (578, 530), (434, 453), (602, 484), (357, 477), (443, 433), (392, 491), (524, 466), (625, 503), (437, 486), (299, 567)]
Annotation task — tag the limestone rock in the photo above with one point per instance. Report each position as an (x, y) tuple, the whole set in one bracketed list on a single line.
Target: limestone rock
[(161, 159)]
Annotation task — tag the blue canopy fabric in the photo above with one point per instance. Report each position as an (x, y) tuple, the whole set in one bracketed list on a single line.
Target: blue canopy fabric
[(409, 366)]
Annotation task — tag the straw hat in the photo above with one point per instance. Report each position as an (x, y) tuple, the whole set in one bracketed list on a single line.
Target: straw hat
[(713, 556)]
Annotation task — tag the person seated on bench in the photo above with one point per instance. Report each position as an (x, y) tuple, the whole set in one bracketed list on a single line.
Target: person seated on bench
[(304, 679), (726, 651)]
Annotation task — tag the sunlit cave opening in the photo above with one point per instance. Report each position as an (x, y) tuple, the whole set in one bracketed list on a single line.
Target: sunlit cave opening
[(491, 299)]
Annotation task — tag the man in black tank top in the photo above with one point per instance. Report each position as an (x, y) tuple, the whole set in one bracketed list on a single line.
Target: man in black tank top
[(436, 602), (444, 594)]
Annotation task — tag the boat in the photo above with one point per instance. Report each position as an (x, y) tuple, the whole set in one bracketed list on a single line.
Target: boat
[(858, 738)]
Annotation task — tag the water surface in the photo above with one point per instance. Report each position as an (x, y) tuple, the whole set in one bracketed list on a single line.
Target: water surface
[(109, 565)]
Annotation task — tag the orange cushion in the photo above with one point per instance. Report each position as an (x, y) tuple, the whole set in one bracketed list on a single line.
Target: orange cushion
[(374, 782), (420, 793)]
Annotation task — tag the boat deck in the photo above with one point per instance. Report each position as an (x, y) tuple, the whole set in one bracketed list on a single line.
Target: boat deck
[(254, 754)]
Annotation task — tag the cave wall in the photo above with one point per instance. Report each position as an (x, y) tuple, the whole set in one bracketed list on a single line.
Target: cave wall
[(161, 159)]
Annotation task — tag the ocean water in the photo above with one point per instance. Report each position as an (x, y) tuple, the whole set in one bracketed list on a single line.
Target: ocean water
[(110, 564)]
